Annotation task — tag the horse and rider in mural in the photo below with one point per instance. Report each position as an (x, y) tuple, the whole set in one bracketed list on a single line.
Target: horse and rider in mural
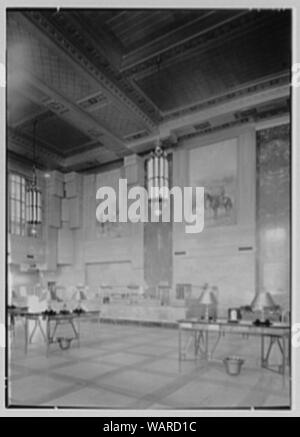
[(219, 203)]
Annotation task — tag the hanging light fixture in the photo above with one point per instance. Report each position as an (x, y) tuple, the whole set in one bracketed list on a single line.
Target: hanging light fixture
[(158, 175), (34, 195)]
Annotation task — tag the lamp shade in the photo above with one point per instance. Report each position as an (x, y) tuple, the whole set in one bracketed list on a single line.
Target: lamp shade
[(262, 300), (207, 298), (45, 294), (80, 292)]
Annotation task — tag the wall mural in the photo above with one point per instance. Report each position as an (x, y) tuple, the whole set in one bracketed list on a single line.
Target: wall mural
[(111, 229), (215, 168)]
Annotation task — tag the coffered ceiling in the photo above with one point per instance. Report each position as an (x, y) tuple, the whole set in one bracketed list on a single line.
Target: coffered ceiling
[(103, 83)]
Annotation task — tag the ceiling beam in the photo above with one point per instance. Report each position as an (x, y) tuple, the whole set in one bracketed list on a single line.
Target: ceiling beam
[(230, 27), (47, 32), (231, 106), (22, 146), (107, 44), (168, 128), (73, 114), (169, 40)]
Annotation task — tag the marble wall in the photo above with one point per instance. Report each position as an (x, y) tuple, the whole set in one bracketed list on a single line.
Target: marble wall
[(224, 254), (273, 212), (113, 253)]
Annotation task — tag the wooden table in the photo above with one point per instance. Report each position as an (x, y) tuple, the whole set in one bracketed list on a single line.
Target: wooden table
[(52, 322), (277, 333), (13, 313)]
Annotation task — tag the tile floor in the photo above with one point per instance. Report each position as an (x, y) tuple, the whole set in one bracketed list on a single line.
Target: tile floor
[(136, 367)]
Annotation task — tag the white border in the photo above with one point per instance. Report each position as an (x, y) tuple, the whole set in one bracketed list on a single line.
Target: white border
[(295, 203)]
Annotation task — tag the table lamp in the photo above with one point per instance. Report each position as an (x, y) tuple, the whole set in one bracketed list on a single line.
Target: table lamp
[(80, 295), (45, 298), (207, 298), (261, 301)]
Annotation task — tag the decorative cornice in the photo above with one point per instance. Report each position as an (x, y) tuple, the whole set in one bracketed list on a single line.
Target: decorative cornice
[(46, 115), (92, 102), (82, 56), (56, 106), (24, 143), (26, 138), (253, 116), (136, 136), (74, 114), (73, 28), (84, 148), (268, 83)]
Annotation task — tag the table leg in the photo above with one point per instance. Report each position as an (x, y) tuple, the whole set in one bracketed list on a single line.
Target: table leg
[(266, 358), (196, 344), (206, 345), (200, 342), (283, 355), (190, 341), (54, 330), (48, 335), (12, 324), (282, 348), (26, 335), (33, 331), (79, 331), (262, 352), (179, 348), (42, 330), (198, 336), (76, 333), (215, 345)]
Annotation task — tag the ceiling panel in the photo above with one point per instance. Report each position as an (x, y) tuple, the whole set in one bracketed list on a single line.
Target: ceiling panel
[(117, 119), (137, 28), (28, 53), (62, 135), (20, 108), (218, 70), (100, 81)]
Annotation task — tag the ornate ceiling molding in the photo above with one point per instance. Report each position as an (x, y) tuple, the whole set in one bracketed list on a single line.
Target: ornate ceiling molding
[(93, 102), (81, 54), (94, 156), (71, 112), (174, 33), (91, 145), (267, 83), (241, 102), (253, 115), (236, 25), (20, 143), (136, 136), (67, 42), (230, 105), (72, 27)]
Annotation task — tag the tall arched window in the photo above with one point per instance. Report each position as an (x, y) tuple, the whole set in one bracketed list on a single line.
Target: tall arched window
[(17, 204)]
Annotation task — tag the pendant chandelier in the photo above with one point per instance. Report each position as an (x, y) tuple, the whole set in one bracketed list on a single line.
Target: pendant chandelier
[(34, 195), (158, 175)]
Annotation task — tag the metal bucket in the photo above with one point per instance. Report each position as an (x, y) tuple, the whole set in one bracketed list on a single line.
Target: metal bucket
[(233, 365)]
